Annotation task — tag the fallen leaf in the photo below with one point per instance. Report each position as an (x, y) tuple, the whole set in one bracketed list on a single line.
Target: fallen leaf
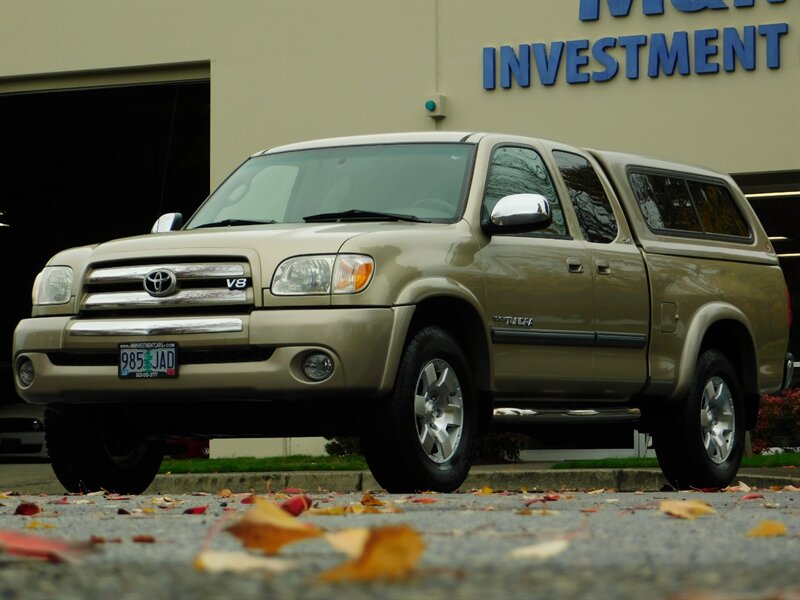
[(686, 509), (27, 509), (350, 541), (594, 492), (768, 529), (144, 539), (389, 553), (331, 511), (742, 487), (485, 491), (122, 511), (752, 497), (268, 528), (239, 562), (226, 493), (296, 505), (292, 491), (196, 510), (40, 547), (370, 500), (542, 550), (791, 488), (62, 500), (251, 499), (424, 500), (39, 525)]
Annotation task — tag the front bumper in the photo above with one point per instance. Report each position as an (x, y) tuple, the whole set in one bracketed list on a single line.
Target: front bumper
[(363, 343)]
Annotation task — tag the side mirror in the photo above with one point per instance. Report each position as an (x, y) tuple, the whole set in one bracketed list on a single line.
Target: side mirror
[(518, 213), (168, 222)]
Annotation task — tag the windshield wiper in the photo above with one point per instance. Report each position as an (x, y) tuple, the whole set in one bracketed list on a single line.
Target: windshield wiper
[(361, 215), (232, 222)]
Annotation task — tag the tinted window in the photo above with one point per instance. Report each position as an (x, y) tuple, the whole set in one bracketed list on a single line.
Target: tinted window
[(595, 215), (522, 171), (665, 202), (717, 211), (678, 204)]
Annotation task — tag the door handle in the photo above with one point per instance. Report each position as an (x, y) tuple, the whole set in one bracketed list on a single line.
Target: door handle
[(603, 268), (574, 265)]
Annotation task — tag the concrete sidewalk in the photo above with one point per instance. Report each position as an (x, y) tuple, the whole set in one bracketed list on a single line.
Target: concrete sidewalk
[(38, 478)]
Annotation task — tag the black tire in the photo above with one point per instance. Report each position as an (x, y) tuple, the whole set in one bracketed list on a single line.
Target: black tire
[(698, 443), (87, 457), (417, 446)]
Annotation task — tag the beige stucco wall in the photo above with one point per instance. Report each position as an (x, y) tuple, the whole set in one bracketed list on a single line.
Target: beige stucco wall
[(288, 70)]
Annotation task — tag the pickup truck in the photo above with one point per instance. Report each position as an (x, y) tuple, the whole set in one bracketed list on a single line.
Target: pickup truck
[(403, 288)]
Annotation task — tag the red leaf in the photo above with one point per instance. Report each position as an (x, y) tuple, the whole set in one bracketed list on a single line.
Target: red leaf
[(291, 491), (27, 509), (37, 546), (144, 539), (752, 496), (424, 500), (296, 505), (249, 499), (196, 510), (62, 500)]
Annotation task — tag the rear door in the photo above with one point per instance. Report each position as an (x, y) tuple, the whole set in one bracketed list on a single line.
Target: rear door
[(621, 294)]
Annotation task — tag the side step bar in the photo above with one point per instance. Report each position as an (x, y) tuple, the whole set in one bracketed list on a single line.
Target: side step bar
[(520, 416)]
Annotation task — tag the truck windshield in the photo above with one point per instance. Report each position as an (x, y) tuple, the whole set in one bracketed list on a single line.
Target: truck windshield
[(413, 182)]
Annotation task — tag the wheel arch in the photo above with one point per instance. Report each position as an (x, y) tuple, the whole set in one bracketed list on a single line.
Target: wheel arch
[(453, 307), (725, 328)]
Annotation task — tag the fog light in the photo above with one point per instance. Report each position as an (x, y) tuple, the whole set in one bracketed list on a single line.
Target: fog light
[(25, 371), (317, 366)]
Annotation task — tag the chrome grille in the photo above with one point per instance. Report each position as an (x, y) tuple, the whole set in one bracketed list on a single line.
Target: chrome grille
[(200, 285)]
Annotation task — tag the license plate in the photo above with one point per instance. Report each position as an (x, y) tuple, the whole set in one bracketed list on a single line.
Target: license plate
[(148, 360)]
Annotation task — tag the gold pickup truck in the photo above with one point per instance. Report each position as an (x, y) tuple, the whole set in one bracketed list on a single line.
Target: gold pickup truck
[(403, 288)]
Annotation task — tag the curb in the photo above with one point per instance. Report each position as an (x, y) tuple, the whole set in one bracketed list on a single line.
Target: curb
[(621, 480)]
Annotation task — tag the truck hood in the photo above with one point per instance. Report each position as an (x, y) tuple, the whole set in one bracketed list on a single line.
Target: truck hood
[(265, 246)]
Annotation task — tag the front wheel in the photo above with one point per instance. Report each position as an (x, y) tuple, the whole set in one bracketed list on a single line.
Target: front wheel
[(423, 436), (88, 456), (699, 443)]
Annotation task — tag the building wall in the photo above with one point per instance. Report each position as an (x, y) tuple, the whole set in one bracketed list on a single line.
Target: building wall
[(283, 71)]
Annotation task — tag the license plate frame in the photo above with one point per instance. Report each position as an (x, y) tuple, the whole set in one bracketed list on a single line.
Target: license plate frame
[(147, 360)]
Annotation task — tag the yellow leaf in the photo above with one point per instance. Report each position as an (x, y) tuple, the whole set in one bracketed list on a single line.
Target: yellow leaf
[(389, 553), (485, 491), (331, 511), (268, 528), (226, 493), (768, 529), (350, 541), (370, 500), (686, 509), (39, 525)]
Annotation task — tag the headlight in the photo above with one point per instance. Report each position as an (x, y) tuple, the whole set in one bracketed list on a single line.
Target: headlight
[(323, 274), (53, 286)]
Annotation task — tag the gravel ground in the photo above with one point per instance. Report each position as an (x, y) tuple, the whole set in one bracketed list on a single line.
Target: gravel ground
[(619, 545)]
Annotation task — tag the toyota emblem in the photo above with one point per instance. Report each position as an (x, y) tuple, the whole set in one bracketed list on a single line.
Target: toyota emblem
[(160, 282)]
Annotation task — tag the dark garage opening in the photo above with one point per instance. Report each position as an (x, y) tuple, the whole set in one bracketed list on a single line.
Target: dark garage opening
[(85, 166)]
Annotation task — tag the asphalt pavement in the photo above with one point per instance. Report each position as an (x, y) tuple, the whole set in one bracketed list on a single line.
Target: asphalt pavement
[(38, 478)]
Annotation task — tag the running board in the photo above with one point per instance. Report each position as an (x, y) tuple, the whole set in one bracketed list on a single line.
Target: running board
[(520, 416)]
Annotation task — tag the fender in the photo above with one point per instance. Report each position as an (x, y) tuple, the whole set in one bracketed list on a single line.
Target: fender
[(409, 298), (702, 320)]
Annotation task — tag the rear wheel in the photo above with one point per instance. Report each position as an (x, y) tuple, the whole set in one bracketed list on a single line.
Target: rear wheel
[(699, 443), (423, 436), (88, 456)]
